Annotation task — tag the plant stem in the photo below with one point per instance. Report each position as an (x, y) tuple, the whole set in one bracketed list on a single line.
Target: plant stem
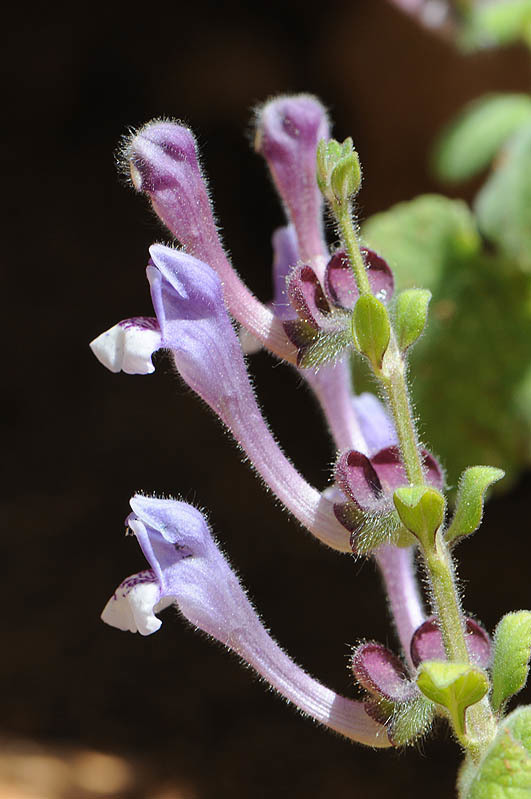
[(393, 379), (437, 558), (350, 242)]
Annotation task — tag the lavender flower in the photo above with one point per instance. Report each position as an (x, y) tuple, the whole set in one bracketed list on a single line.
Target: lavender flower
[(188, 569)]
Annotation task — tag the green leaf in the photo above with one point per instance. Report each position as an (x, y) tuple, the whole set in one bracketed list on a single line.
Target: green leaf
[(473, 484), (503, 206), (512, 652), (371, 328), (411, 313), (455, 686), (470, 142), (505, 770), (421, 510)]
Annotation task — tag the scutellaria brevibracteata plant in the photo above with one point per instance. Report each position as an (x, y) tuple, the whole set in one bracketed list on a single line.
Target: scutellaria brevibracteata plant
[(386, 498)]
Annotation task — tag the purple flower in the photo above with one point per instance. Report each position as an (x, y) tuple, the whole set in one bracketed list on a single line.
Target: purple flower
[(188, 569)]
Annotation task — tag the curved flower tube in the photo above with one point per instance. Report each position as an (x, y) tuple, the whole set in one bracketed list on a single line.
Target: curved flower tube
[(188, 569)]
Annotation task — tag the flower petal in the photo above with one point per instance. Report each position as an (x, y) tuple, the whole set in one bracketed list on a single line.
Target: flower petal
[(132, 606), (128, 346)]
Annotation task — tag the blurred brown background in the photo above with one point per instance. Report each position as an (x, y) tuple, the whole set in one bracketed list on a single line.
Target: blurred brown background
[(86, 710)]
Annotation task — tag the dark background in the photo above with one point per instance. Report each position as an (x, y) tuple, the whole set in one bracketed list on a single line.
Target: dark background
[(79, 441)]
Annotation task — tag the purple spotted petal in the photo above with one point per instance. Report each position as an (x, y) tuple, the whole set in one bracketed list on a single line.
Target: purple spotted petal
[(340, 284), (288, 130), (375, 423), (188, 569), (357, 478), (382, 673), (427, 643), (128, 346)]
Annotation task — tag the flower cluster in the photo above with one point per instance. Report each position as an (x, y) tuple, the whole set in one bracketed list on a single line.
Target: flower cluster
[(384, 499)]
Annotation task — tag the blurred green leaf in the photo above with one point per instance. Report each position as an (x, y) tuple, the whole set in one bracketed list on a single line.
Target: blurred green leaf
[(503, 206), (470, 142), (492, 22)]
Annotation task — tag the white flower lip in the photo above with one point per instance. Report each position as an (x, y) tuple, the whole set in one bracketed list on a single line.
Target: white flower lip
[(128, 346)]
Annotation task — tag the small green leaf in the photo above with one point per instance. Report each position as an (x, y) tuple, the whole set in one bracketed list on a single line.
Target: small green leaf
[(512, 652), (470, 142), (505, 770), (455, 686), (411, 312), (421, 510), (371, 328), (473, 484)]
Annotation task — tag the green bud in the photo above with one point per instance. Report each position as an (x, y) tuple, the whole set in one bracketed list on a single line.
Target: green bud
[(512, 652), (473, 484), (338, 170), (411, 311), (371, 329), (455, 686), (504, 772), (421, 510)]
